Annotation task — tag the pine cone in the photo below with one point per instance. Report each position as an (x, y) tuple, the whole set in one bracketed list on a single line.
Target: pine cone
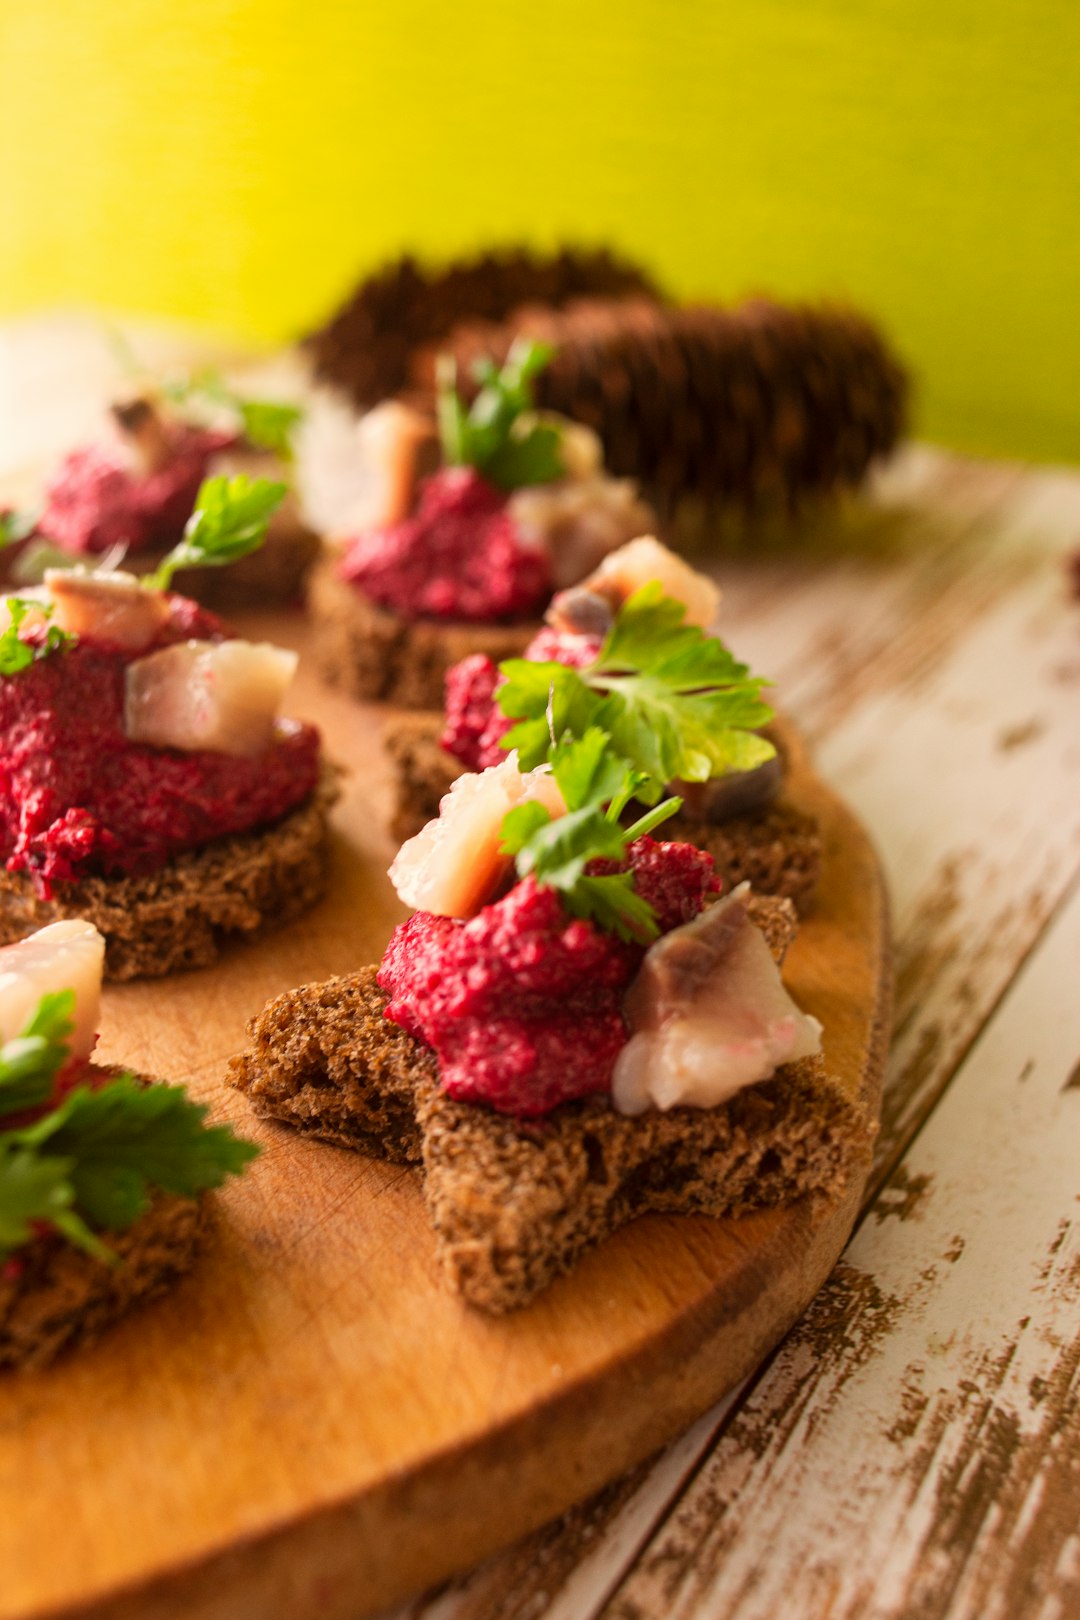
[(752, 407), (366, 348)]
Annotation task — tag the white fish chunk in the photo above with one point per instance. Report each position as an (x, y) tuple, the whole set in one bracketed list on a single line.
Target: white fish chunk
[(454, 865), (66, 955), (708, 1014), (224, 696), (108, 605)]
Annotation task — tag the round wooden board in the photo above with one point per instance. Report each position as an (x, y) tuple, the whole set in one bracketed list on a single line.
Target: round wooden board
[(310, 1424)]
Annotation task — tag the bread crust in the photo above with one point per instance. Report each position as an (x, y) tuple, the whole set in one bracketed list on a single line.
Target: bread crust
[(514, 1203), (376, 655), (777, 849), (181, 915), (58, 1296)]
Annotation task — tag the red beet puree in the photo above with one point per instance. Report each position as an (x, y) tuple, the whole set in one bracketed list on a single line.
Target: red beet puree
[(475, 725), (523, 1003), (78, 799), (460, 556), (97, 500)]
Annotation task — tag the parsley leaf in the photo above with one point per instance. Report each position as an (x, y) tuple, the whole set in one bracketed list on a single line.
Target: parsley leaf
[(30, 1063), (16, 654), (230, 520), (596, 786), (673, 700), (16, 526), (498, 433), (92, 1160), (266, 424)]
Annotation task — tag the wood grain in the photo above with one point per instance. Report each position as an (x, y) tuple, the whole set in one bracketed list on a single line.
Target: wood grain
[(312, 1412)]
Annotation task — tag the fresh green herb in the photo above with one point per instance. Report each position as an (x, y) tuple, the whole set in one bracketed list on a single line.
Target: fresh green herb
[(266, 424), (596, 786), (92, 1161), (230, 519), (16, 654), (498, 433), (30, 1063), (16, 526), (673, 700)]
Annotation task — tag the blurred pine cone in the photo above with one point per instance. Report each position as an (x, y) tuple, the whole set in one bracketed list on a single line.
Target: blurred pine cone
[(755, 406), (367, 347)]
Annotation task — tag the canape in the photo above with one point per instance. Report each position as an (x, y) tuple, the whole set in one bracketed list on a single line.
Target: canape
[(576, 1026), (736, 806), (103, 1175), (147, 781), (133, 492), (466, 532)]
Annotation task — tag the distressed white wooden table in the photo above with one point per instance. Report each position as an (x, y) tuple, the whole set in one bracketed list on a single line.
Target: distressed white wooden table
[(913, 1447)]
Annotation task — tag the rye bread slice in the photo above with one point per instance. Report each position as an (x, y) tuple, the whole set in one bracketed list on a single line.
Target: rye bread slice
[(184, 913), (778, 849), (273, 576), (58, 1296), (376, 655), (514, 1203)]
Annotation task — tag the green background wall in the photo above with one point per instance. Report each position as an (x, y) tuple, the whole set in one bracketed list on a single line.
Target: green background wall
[(237, 161)]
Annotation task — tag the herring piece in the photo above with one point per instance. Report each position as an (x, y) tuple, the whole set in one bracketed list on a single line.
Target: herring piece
[(218, 695), (145, 433), (708, 1014), (578, 521), (106, 604), (398, 446), (633, 565), (66, 955), (454, 865)]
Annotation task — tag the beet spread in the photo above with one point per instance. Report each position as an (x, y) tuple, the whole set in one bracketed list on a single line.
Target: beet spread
[(523, 1003), (97, 499), (475, 725), (78, 799), (460, 556)]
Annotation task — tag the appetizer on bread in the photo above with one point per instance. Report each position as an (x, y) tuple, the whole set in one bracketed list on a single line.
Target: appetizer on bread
[(631, 645), (577, 1025), (133, 493), (147, 781), (103, 1175), (465, 533)]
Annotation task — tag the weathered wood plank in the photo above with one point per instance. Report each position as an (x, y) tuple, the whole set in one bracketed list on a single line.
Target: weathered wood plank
[(915, 1447)]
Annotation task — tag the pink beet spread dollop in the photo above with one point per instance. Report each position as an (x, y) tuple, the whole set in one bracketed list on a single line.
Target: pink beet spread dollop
[(96, 499), (460, 556), (78, 799), (474, 724), (522, 1004)]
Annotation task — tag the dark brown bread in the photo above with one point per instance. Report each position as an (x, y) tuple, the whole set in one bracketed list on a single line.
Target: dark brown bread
[(366, 347), (181, 915), (753, 407), (55, 1296), (375, 655), (273, 576), (778, 849), (515, 1203)]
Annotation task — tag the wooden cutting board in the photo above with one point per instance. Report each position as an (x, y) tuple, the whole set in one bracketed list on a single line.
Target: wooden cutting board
[(310, 1424)]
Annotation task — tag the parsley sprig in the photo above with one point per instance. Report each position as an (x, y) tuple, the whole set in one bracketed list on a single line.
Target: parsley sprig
[(90, 1163), (230, 519), (596, 786), (498, 433), (17, 654), (16, 525), (674, 701), (266, 424)]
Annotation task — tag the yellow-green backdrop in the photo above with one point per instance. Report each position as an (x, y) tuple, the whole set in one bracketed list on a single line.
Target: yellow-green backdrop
[(237, 161)]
